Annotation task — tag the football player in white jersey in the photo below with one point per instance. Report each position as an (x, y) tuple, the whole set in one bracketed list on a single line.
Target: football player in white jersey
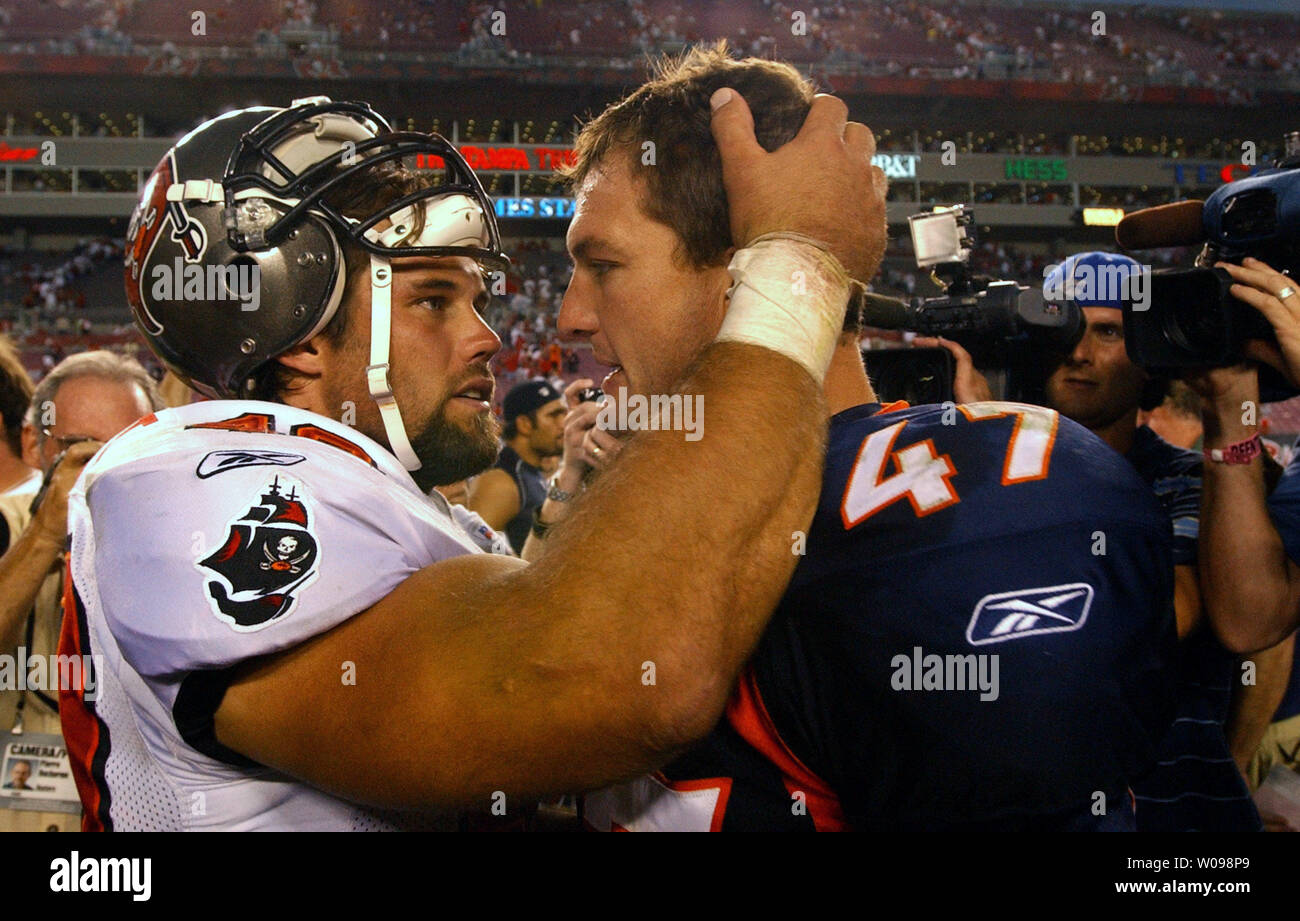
[(280, 629)]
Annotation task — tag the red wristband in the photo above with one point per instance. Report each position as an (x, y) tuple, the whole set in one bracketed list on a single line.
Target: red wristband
[(1243, 452)]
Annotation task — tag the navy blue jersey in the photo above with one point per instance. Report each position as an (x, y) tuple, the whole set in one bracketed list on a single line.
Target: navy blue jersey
[(1195, 784), (978, 636), (1284, 507), (1174, 475), (531, 483), (1284, 510)]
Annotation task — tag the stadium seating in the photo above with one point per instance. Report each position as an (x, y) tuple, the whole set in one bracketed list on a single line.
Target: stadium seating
[(961, 37)]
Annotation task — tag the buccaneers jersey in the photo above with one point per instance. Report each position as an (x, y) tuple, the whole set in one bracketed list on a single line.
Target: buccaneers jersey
[(205, 536), (977, 637)]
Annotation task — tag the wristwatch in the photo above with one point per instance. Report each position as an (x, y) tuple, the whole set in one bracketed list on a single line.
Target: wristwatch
[(559, 495)]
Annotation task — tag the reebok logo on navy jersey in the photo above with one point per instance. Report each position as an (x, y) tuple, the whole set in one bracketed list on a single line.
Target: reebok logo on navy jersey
[(1029, 612)]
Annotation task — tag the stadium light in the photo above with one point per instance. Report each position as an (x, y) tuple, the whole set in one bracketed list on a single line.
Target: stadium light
[(1102, 217)]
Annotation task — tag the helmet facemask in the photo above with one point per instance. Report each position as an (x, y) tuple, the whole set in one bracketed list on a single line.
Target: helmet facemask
[(282, 174)]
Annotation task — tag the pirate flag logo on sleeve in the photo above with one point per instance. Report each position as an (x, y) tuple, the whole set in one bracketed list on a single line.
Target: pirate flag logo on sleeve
[(269, 554)]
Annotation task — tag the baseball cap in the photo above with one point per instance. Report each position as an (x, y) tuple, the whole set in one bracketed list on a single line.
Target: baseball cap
[(1095, 279), (527, 397)]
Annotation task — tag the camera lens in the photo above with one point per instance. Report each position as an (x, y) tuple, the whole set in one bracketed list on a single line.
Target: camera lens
[(1190, 327)]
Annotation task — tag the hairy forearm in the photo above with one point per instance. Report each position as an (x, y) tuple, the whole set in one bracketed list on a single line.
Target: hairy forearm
[(599, 661), (675, 558), (23, 569), (1253, 705), (1245, 577)]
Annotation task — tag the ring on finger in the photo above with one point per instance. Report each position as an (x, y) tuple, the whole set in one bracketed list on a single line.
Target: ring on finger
[(596, 451), (1286, 292)]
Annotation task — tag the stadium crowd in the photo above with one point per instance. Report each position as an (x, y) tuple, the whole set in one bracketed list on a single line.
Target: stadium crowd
[(959, 39)]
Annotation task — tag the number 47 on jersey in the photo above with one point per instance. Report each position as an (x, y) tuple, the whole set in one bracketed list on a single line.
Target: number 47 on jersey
[(922, 474)]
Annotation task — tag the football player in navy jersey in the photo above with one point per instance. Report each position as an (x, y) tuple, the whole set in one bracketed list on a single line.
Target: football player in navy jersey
[(1195, 784), (977, 632)]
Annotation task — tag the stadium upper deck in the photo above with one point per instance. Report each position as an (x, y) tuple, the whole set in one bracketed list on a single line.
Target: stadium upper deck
[(959, 38)]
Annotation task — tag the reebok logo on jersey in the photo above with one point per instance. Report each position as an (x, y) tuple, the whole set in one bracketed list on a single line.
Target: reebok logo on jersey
[(268, 554), (220, 461), (1029, 612)]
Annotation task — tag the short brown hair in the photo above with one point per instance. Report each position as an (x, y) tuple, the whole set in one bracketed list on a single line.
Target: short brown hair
[(683, 180), (15, 395)]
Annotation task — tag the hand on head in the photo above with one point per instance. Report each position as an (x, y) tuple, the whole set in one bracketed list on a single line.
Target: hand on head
[(821, 184)]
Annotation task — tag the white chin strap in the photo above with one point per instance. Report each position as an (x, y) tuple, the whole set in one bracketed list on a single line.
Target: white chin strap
[(381, 322), (451, 220)]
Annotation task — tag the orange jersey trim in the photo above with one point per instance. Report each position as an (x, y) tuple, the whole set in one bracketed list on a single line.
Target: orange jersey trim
[(316, 433), (248, 422), (749, 717), (81, 728), (1007, 478)]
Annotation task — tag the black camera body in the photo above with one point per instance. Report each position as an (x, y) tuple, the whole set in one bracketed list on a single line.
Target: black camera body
[(1192, 319), (916, 376), (996, 321), (1003, 324), (1193, 322)]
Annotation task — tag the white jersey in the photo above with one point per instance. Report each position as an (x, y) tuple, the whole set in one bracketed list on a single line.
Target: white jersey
[(204, 536)]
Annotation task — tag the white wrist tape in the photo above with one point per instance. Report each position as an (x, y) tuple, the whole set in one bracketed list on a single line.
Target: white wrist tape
[(788, 295)]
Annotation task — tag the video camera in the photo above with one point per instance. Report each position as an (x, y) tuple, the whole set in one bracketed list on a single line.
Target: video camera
[(1003, 324), (1191, 320)]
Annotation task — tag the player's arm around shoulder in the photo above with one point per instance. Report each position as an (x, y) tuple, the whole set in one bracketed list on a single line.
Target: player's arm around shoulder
[(477, 674), (621, 644)]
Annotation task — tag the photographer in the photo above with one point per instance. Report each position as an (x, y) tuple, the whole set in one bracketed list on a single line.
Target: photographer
[(84, 401), (507, 493), (1195, 784), (1251, 540)]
